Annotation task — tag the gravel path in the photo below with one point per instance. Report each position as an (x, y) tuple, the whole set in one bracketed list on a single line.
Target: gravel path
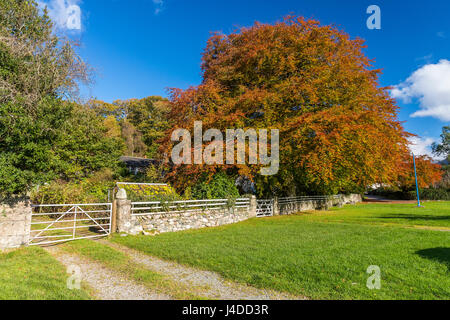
[(204, 283), (107, 284)]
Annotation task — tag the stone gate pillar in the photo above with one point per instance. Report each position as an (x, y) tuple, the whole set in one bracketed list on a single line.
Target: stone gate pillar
[(253, 205), (15, 222), (276, 207), (123, 211), (126, 222)]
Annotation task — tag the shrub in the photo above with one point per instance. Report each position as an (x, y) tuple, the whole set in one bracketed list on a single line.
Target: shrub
[(425, 194), (390, 193), (89, 190), (220, 186), (430, 194), (143, 192)]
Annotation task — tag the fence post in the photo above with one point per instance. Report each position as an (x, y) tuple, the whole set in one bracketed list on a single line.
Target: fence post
[(253, 206)]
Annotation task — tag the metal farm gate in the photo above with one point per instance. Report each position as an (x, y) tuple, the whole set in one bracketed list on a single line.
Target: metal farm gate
[(55, 223), (264, 208)]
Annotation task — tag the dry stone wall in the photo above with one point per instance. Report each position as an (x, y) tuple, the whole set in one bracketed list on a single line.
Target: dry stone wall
[(179, 221), (171, 222)]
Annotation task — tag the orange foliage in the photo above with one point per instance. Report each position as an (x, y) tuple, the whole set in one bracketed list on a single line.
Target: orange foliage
[(339, 129), (428, 173)]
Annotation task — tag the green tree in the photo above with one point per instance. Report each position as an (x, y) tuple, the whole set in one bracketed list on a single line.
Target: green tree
[(443, 149), (26, 155), (34, 61), (84, 145), (44, 136)]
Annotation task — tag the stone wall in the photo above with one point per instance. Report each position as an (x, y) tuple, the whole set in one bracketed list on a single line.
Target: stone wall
[(291, 208), (171, 222), (351, 198), (15, 222), (178, 221)]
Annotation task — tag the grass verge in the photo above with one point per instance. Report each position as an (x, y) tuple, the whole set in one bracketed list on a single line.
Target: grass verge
[(33, 274)]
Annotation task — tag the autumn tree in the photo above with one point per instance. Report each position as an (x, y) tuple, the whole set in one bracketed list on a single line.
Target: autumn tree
[(134, 144), (150, 117), (339, 130), (429, 173), (143, 123)]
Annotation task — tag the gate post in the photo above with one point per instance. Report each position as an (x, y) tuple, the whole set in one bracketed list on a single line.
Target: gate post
[(15, 222), (276, 208), (123, 211), (253, 206), (126, 222)]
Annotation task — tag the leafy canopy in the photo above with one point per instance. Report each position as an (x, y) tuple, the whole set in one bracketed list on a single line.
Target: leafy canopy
[(339, 130), (44, 136), (141, 123)]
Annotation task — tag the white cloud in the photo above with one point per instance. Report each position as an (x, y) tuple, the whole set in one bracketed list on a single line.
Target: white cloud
[(429, 84), (66, 14), (427, 59), (441, 34), (421, 146)]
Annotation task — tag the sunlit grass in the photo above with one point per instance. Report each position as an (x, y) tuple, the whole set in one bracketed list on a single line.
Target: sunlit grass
[(33, 274), (432, 214), (323, 256)]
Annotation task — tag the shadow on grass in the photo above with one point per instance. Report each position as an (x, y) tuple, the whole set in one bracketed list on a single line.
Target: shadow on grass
[(439, 254), (415, 217)]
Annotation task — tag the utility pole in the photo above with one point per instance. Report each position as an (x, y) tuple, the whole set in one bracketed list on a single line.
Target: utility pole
[(417, 185)]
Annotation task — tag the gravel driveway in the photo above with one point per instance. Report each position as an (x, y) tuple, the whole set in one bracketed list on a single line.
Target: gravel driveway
[(106, 284), (110, 285), (205, 283)]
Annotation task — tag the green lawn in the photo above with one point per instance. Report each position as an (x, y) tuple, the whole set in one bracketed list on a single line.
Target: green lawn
[(321, 257), (433, 214), (32, 274)]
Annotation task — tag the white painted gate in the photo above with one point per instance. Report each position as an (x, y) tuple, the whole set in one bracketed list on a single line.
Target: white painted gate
[(264, 208), (55, 223)]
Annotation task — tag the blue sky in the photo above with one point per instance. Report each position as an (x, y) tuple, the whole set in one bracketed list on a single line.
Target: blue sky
[(142, 47)]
